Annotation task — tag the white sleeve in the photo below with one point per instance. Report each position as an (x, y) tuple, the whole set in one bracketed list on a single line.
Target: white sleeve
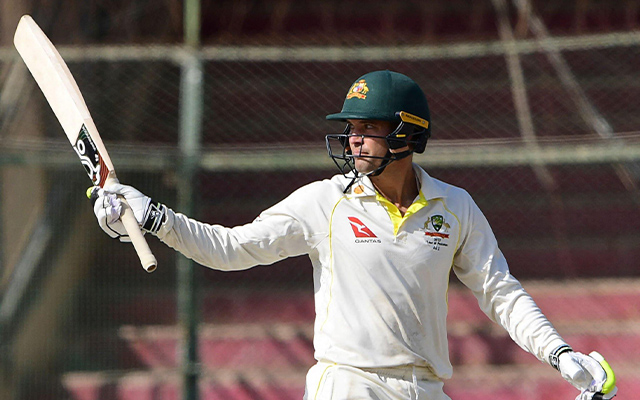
[(481, 266), (292, 227), (261, 242)]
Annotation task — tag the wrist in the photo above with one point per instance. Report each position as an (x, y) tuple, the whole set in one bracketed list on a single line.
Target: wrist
[(554, 357), (155, 216)]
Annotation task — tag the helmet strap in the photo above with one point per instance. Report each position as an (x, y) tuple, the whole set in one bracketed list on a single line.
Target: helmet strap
[(389, 158)]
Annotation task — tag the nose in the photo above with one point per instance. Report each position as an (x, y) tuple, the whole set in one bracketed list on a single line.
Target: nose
[(355, 140)]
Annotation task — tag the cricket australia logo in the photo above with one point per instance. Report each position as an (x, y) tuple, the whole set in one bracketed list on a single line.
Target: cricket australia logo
[(436, 230), (362, 233), (358, 90)]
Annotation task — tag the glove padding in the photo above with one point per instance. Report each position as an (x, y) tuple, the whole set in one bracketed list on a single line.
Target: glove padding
[(107, 207), (590, 374)]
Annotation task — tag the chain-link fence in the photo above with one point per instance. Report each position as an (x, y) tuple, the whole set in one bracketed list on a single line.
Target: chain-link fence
[(541, 130)]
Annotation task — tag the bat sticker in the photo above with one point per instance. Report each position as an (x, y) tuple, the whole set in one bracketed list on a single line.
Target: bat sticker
[(90, 158)]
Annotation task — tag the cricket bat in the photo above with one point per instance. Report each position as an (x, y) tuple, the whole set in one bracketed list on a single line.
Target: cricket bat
[(62, 92)]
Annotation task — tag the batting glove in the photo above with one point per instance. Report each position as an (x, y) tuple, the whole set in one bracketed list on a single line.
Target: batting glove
[(591, 374), (107, 207)]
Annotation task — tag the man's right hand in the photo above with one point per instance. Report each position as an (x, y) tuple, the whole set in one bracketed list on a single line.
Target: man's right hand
[(107, 207)]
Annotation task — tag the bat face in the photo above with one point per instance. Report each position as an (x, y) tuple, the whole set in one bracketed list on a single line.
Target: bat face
[(90, 157), (61, 91), (63, 95)]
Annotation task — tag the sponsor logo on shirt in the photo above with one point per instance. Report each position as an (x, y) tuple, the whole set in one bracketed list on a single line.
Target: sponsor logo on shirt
[(362, 233)]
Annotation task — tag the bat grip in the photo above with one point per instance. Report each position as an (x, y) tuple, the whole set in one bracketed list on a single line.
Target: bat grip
[(130, 223)]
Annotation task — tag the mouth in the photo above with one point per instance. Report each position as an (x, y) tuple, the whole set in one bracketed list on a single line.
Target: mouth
[(360, 153)]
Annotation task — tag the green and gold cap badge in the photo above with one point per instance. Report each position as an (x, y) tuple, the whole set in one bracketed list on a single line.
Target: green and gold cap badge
[(358, 90)]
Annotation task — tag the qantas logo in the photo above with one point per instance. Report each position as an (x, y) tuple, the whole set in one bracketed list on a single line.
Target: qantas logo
[(361, 231)]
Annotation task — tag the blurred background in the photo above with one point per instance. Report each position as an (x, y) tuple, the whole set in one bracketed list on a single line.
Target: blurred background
[(217, 108)]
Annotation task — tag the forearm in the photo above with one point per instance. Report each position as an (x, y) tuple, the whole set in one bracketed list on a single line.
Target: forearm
[(229, 249), (502, 298), (518, 313)]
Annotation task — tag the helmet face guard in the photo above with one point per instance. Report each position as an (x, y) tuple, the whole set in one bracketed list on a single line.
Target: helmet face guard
[(411, 132)]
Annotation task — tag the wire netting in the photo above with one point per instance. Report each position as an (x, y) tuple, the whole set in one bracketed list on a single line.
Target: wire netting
[(558, 178)]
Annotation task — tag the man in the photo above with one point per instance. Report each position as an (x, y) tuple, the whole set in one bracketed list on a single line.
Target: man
[(383, 238)]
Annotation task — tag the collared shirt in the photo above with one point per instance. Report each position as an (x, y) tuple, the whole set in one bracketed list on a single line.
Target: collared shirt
[(380, 278)]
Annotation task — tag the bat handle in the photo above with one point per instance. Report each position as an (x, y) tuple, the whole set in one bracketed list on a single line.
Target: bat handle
[(148, 260)]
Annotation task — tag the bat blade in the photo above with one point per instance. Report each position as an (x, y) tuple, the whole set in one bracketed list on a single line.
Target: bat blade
[(63, 95)]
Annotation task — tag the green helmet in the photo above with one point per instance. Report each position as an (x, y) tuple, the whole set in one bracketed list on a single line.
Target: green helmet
[(384, 95)]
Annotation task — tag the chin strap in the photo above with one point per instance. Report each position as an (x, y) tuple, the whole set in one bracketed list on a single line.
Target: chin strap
[(389, 158)]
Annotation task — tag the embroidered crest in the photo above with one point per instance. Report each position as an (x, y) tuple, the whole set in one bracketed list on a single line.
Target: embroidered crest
[(436, 222), (438, 235), (358, 90)]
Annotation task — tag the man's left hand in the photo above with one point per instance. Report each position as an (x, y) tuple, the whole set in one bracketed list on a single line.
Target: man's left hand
[(591, 374)]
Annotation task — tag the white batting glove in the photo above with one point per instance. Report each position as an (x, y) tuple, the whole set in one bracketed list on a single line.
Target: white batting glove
[(591, 374), (107, 207)]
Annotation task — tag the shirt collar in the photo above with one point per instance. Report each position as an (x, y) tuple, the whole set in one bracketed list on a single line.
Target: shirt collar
[(362, 187), (430, 188)]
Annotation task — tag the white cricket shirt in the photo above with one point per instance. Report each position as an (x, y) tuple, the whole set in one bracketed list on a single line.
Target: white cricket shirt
[(380, 279)]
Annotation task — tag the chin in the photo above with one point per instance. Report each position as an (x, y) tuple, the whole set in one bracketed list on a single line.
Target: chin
[(364, 169)]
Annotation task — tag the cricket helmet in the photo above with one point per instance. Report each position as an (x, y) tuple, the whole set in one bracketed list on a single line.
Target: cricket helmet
[(385, 96)]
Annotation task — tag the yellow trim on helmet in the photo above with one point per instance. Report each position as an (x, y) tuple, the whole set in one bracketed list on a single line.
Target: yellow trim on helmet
[(412, 119)]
